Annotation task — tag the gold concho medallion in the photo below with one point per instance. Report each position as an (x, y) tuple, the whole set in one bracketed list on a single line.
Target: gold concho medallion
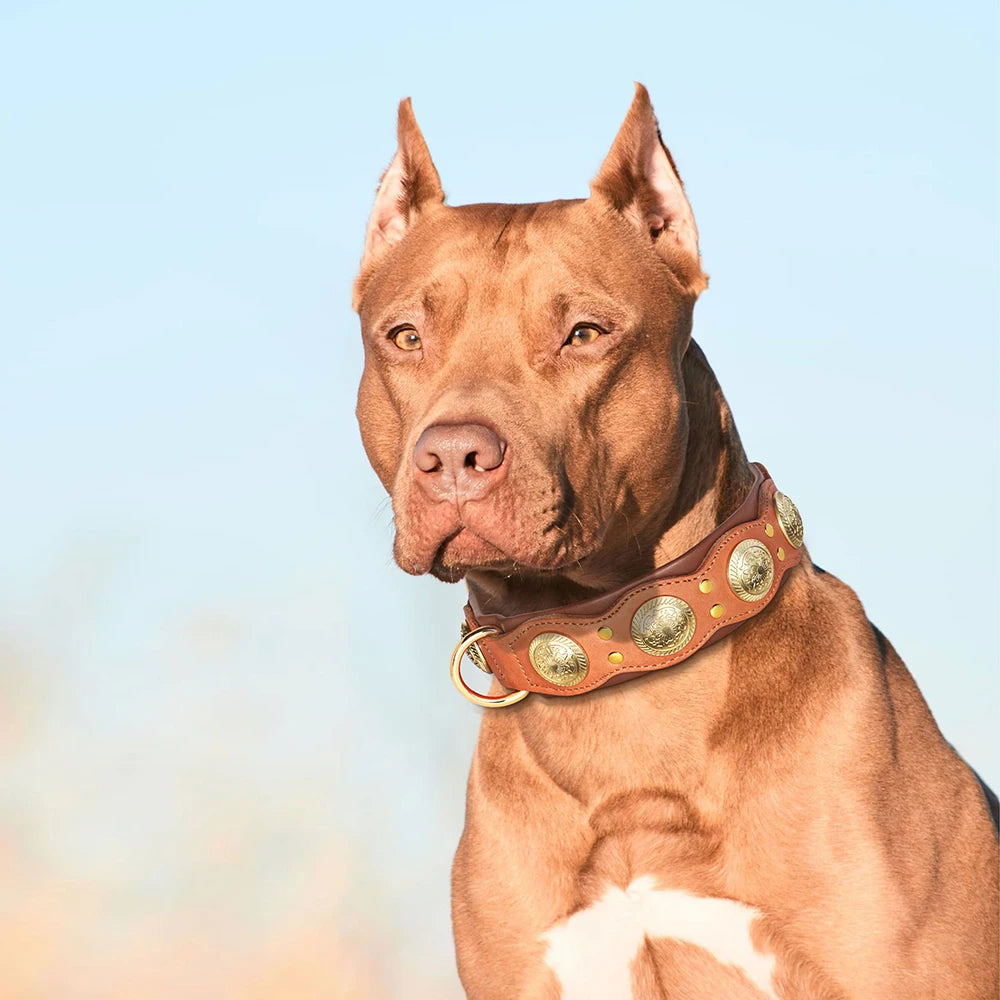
[(789, 518), (558, 659), (663, 625), (751, 570), (474, 653)]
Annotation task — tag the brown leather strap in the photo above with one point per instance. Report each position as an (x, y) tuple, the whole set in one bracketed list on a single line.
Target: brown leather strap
[(607, 639)]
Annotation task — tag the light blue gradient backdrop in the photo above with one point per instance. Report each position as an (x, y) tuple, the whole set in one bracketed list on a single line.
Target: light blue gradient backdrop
[(215, 679)]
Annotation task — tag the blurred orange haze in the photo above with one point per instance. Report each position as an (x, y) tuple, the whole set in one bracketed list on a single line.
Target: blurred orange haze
[(196, 853)]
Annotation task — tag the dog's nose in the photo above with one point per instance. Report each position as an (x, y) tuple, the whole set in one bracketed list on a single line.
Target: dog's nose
[(459, 461)]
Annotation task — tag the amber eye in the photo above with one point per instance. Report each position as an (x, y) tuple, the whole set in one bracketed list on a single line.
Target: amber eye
[(405, 338), (583, 334)]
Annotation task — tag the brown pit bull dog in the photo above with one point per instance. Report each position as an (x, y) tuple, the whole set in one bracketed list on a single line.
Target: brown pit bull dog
[(776, 814)]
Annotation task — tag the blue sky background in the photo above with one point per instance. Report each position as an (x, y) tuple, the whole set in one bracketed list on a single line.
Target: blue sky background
[(233, 753)]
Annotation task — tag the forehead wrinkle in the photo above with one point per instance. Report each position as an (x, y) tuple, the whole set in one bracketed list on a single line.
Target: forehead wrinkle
[(593, 275), (445, 290), (446, 295), (550, 277)]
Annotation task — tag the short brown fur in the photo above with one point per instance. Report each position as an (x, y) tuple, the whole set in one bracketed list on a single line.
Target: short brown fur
[(792, 766)]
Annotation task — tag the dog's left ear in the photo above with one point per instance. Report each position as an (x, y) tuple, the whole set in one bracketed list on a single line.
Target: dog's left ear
[(639, 180), (409, 187)]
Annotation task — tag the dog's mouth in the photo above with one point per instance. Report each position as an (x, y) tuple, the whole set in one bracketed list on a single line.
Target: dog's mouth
[(465, 550), (536, 553), (448, 544), (536, 528)]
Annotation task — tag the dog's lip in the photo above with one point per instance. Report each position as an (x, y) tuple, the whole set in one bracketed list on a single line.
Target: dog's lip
[(455, 571), (450, 540), (464, 529), (505, 561)]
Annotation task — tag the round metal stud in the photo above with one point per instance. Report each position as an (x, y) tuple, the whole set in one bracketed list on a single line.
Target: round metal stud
[(558, 659), (615, 657), (663, 625), (604, 633), (705, 586), (769, 530), (717, 611), (751, 570), (781, 553), (789, 518), (474, 653)]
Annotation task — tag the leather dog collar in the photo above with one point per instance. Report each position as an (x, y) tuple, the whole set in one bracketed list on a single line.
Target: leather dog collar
[(655, 622)]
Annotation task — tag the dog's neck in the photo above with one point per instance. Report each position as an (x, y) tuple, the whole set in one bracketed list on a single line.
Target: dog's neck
[(714, 481)]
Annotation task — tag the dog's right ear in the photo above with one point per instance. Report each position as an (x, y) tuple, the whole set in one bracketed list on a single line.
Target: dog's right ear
[(409, 187)]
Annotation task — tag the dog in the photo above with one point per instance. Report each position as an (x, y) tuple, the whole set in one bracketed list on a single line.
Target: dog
[(710, 774)]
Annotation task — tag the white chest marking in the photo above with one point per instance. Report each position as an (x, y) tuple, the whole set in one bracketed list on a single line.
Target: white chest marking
[(592, 951)]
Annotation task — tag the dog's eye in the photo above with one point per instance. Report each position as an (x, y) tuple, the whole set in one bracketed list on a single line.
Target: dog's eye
[(405, 338), (583, 334)]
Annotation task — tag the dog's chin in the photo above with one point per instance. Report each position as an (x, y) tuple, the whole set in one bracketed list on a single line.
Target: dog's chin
[(449, 549), (459, 553), (465, 551)]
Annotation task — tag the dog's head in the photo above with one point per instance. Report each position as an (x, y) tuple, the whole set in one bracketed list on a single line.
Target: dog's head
[(522, 398)]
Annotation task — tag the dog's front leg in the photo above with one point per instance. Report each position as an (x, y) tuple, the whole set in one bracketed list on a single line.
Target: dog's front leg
[(515, 872)]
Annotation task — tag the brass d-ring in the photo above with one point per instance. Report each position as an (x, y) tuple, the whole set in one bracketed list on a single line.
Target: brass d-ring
[(500, 701)]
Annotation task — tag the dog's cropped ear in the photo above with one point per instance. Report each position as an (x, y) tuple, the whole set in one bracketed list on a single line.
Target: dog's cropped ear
[(638, 179), (410, 186)]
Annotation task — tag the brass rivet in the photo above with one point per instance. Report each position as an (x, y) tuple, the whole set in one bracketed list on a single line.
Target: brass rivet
[(769, 530), (781, 553), (558, 659), (605, 633), (705, 586), (789, 518), (474, 653), (663, 625), (717, 610), (751, 570), (615, 657)]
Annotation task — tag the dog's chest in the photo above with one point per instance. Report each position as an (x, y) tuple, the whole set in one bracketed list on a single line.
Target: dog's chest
[(601, 951)]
